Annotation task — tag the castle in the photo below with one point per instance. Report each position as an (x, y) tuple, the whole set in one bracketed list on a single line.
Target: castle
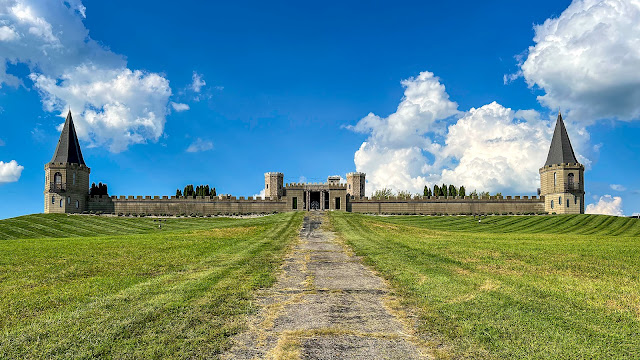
[(67, 191)]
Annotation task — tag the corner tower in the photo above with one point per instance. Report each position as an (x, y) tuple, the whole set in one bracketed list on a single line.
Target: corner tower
[(562, 177), (273, 185), (355, 184), (66, 184)]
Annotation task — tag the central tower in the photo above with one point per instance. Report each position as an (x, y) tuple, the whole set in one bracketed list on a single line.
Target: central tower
[(562, 176)]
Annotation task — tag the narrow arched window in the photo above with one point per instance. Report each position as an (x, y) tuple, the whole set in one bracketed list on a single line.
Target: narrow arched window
[(61, 202), (69, 200), (552, 204), (77, 204), (559, 200), (571, 181), (57, 180), (567, 202), (74, 178), (575, 200), (53, 199), (555, 179)]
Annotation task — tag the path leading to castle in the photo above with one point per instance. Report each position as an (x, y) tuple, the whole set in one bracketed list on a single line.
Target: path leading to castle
[(326, 305)]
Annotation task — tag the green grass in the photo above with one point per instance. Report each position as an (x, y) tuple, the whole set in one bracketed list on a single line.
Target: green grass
[(122, 288), (512, 287)]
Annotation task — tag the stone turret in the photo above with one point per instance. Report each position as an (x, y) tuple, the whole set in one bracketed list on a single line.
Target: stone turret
[(355, 184), (66, 185), (562, 177), (273, 185)]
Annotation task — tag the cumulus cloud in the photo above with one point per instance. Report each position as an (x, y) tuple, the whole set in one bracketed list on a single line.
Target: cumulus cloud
[(10, 171), (200, 145), (428, 140), (179, 107), (606, 205), (587, 60), (617, 187), (197, 82), (260, 195), (113, 105)]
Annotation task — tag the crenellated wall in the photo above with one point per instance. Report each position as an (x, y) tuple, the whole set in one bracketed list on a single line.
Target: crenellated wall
[(452, 205), (166, 205), (223, 204)]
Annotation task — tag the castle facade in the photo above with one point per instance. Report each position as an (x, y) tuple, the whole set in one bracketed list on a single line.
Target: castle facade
[(67, 191)]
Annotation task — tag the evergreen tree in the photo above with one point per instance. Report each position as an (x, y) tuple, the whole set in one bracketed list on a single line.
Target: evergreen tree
[(426, 191), (436, 190), (453, 191), (461, 192), (443, 190), (213, 192), (178, 193)]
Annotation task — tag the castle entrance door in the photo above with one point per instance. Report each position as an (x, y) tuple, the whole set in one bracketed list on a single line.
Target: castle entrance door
[(315, 200)]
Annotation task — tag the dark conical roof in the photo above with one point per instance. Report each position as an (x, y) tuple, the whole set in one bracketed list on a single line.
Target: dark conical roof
[(561, 151), (68, 149)]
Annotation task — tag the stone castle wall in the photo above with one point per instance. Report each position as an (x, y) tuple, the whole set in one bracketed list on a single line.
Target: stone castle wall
[(452, 205), (231, 205), (166, 205)]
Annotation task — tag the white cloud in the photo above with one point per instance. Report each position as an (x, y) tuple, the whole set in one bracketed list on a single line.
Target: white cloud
[(179, 107), (200, 145), (587, 60), (197, 82), (113, 105), (617, 187), (7, 34), (607, 205), (10, 172), (260, 195), (490, 148)]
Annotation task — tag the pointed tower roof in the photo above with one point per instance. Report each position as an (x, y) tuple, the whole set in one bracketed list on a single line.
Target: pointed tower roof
[(68, 149), (561, 151)]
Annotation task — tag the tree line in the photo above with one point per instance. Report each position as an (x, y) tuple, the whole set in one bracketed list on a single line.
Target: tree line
[(100, 189), (200, 190), (444, 190)]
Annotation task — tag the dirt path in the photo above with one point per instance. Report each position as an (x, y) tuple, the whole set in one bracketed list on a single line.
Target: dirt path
[(325, 305)]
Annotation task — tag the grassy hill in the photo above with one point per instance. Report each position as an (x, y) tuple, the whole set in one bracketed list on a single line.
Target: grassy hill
[(596, 225), (511, 287), (62, 225), (122, 288)]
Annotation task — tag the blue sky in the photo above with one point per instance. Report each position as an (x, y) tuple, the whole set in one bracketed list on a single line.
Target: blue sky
[(412, 93)]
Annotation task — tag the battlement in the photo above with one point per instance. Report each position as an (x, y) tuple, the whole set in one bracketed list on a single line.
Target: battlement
[(273, 174), (562, 166), (418, 199), (356, 174)]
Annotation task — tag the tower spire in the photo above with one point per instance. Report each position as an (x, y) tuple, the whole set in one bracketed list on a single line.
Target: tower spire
[(561, 151), (68, 149)]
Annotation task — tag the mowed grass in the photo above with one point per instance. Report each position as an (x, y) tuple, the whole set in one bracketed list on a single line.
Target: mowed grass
[(176, 292), (511, 287)]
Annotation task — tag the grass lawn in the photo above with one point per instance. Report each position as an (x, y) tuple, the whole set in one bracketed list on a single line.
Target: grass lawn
[(512, 287), (86, 286)]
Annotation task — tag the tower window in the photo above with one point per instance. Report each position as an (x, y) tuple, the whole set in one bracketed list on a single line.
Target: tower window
[(560, 200), (571, 181), (69, 200), (74, 178), (61, 202), (53, 199), (267, 186), (77, 204), (567, 202), (295, 203), (555, 179), (575, 200), (552, 204)]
